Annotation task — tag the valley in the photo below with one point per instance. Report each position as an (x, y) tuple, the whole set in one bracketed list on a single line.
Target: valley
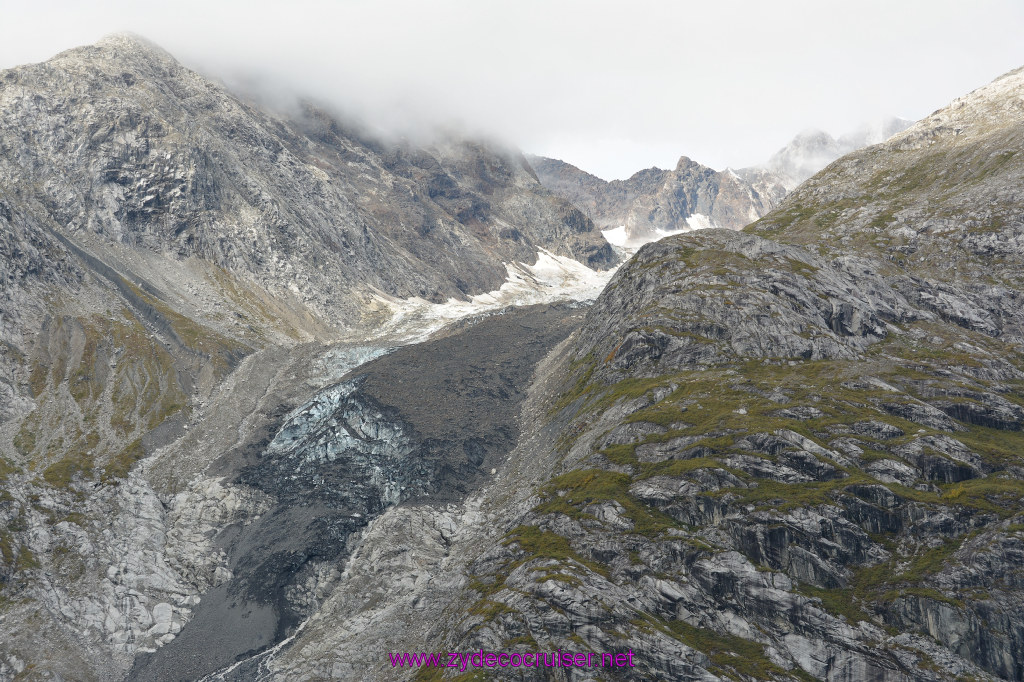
[(278, 398)]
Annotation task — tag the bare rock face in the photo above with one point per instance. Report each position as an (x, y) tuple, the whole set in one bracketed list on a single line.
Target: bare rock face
[(694, 196)]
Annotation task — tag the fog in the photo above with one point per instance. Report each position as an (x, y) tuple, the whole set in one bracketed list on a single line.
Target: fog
[(612, 87)]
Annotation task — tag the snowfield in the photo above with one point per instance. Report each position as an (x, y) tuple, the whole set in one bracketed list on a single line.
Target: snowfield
[(551, 279)]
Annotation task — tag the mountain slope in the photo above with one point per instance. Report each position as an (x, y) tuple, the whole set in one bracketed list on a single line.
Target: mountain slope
[(141, 151), (940, 198), (792, 452), (172, 258), (141, 201), (789, 452), (801, 445)]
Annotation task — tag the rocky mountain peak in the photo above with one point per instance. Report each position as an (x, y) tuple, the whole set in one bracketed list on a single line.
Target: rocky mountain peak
[(813, 149), (655, 202), (813, 137), (116, 55), (129, 46), (685, 163)]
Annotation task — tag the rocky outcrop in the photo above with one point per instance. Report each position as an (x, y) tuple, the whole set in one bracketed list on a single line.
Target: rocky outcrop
[(694, 196)]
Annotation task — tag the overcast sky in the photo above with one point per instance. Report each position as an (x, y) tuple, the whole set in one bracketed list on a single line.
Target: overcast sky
[(612, 87)]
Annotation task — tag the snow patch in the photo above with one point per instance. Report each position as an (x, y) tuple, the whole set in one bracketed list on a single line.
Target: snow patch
[(616, 236), (626, 244), (552, 278), (699, 221)]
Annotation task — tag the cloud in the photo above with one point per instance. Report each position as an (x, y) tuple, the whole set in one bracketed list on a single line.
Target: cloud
[(610, 86)]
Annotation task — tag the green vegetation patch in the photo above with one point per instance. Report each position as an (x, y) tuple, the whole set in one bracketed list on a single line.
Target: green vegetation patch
[(489, 609), (997, 447), (25, 440), (570, 493), (83, 382), (801, 268), (541, 544), (993, 494), (794, 213), (731, 656), (681, 467), (15, 556), (140, 382), (583, 370), (898, 576), (221, 350), (61, 473), (120, 464), (6, 469), (839, 601), (788, 496), (627, 389)]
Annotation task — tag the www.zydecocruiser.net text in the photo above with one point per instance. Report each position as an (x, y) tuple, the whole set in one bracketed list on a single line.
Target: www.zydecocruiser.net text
[(489, 659)]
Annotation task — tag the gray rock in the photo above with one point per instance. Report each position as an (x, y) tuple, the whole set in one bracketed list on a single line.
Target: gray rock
[(655, 201)]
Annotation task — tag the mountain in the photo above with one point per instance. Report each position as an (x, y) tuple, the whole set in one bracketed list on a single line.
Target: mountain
[(172, 260), (812, 150), (790, 452), (654, 201), (119, 144), (139, 199), (787, 452)]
